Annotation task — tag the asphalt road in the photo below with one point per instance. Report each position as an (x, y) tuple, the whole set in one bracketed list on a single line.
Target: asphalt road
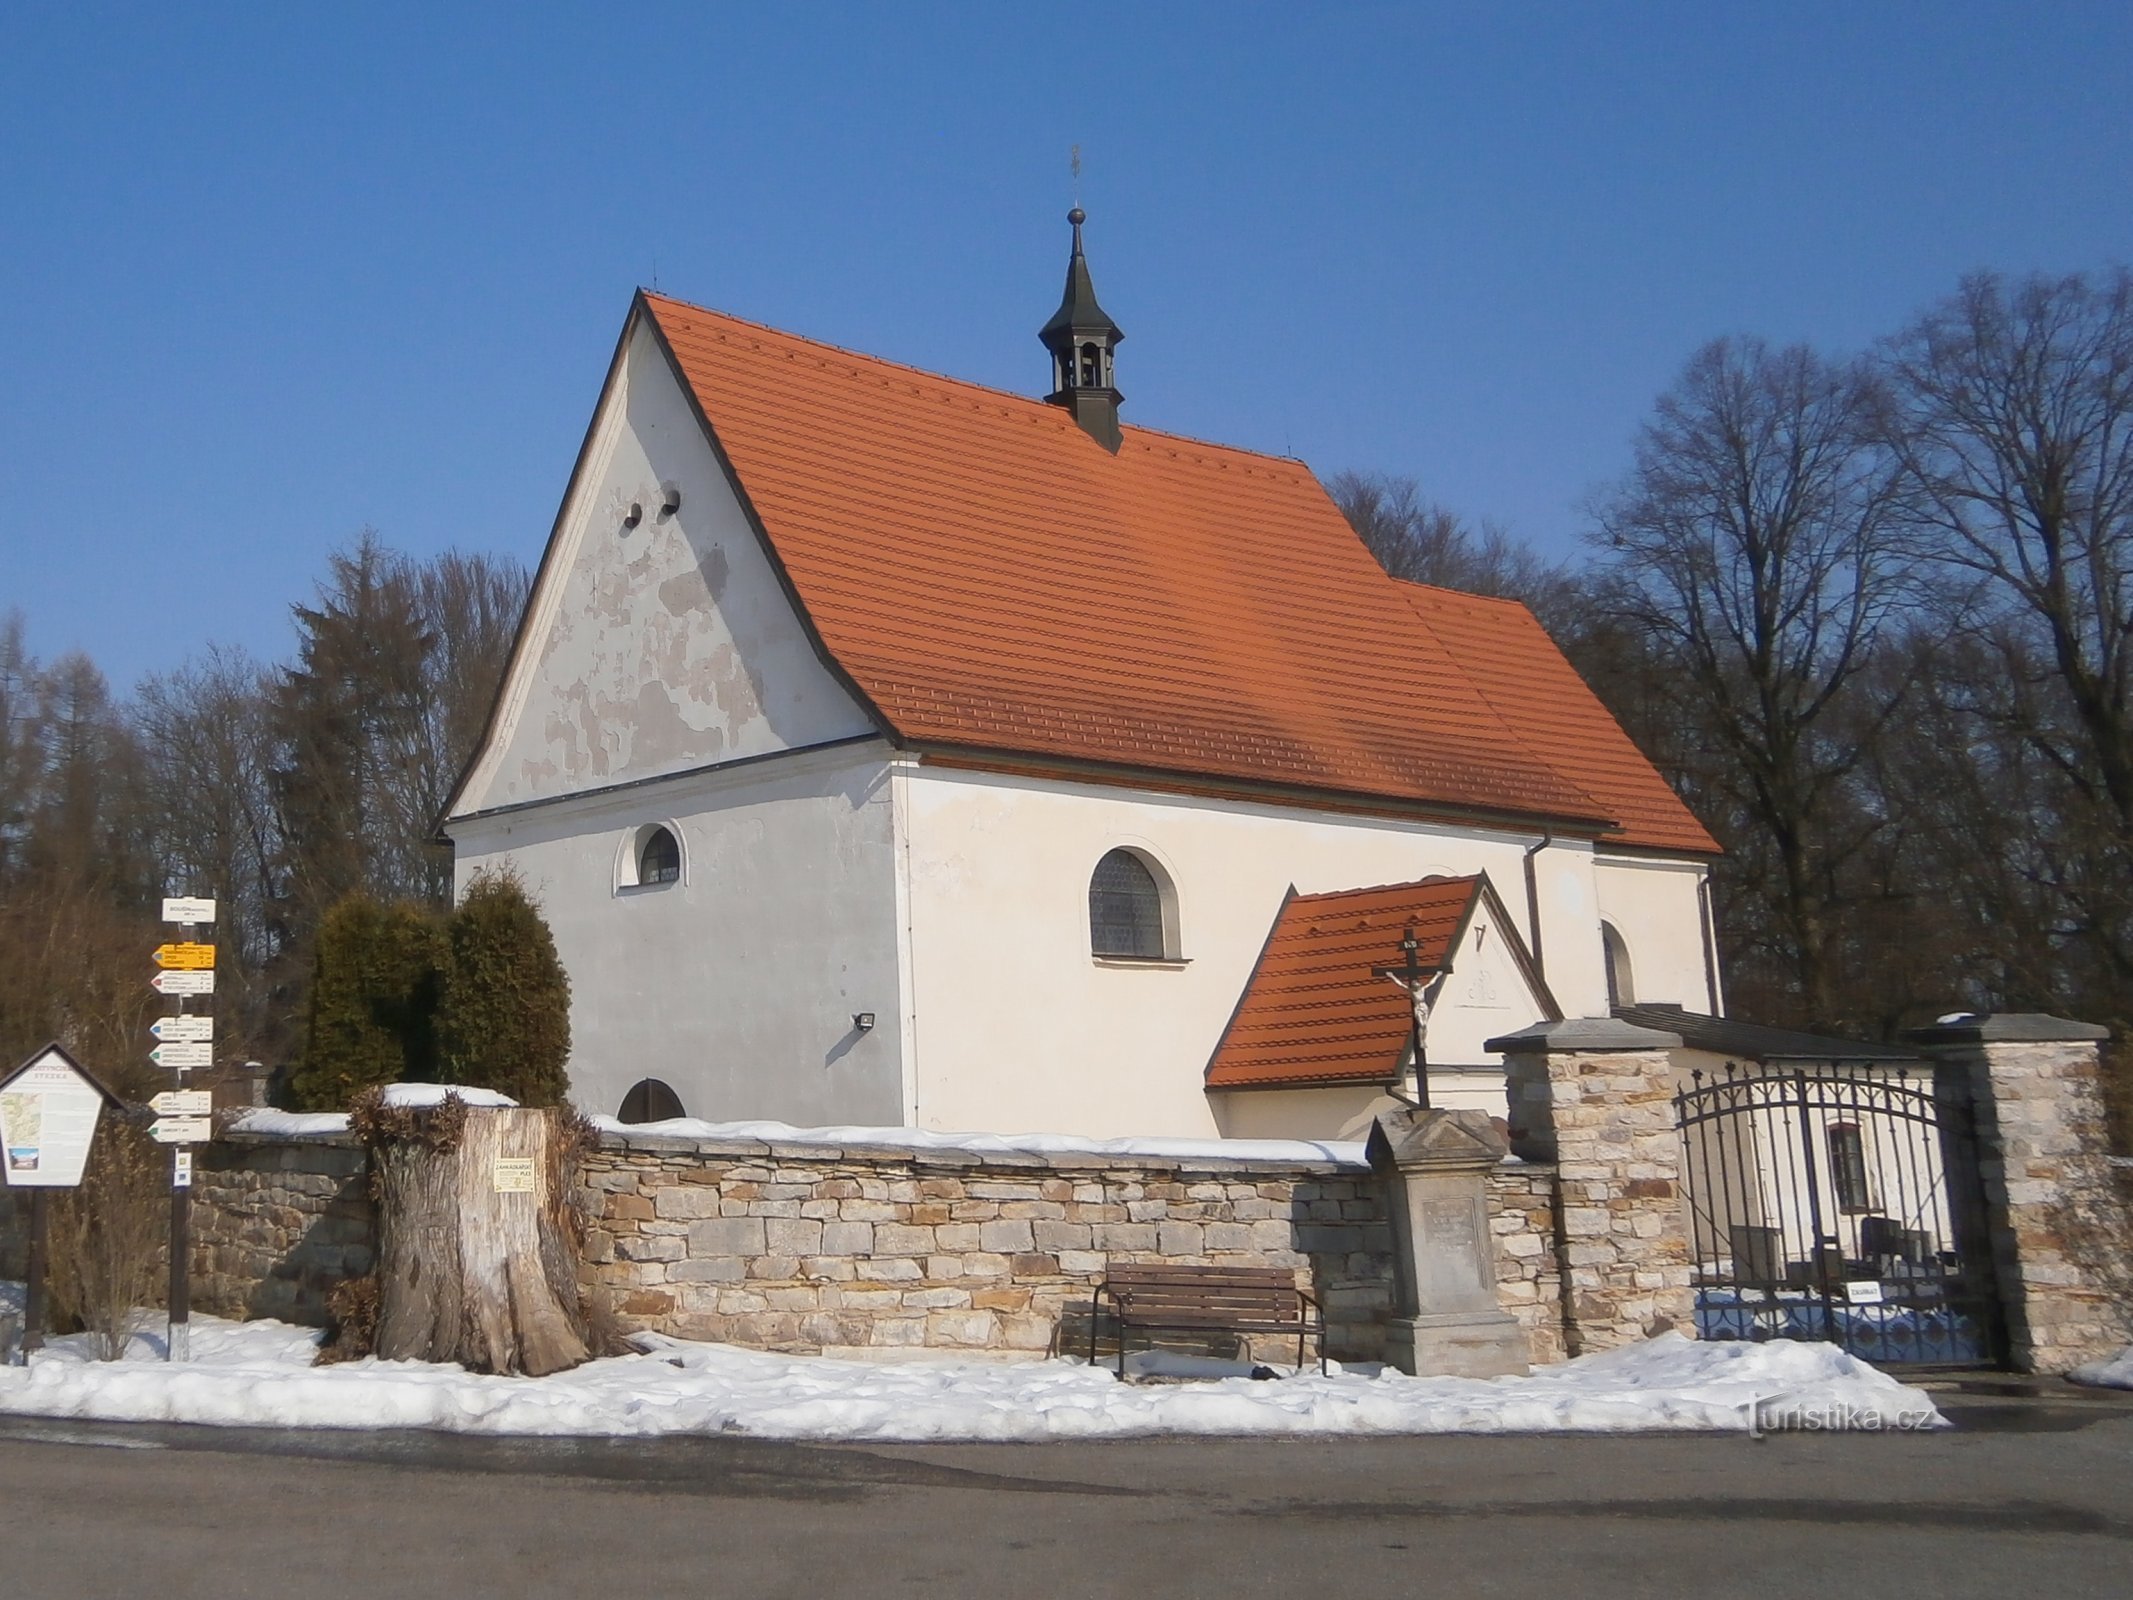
[(2027, 1498)]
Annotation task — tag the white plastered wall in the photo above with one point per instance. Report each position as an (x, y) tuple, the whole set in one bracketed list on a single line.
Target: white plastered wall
[(660, 648), (736, 986), (1656, 905), (1017, 1027)]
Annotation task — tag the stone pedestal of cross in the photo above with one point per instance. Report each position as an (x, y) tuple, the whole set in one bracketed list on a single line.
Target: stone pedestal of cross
[(1435, 1166)]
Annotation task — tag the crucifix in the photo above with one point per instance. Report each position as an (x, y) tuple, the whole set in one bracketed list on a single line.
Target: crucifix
[(1409, 976)]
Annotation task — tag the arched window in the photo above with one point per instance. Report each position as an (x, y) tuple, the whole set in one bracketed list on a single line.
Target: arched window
[(1089, 369), (649, 1100), (1621, 985), (1126, 908), (658, 857)]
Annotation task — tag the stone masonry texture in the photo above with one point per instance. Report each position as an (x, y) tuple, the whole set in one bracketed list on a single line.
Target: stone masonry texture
[(802, 1248), (2057, 1211), (1606, 1118), (277, 1223)]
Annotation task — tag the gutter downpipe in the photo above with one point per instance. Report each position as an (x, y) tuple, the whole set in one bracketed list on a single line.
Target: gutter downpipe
[(1710, 942), (1533, 908)]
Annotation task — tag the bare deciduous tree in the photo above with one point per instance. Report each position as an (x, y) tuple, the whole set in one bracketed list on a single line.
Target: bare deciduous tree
[(2013, 418), (1752, 547)]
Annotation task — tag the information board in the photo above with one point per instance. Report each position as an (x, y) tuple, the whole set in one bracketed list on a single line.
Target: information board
[(48, 1116)]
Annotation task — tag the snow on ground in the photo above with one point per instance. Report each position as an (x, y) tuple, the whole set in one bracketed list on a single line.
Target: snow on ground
[(2113, 1372), (259, 1374), (297, 1124)]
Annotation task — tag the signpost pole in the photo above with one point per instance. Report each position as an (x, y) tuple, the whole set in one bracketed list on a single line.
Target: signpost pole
[(188, 914), (33, 1298)]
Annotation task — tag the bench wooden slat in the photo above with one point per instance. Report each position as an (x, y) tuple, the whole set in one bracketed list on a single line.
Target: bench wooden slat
[(1166, 1298)]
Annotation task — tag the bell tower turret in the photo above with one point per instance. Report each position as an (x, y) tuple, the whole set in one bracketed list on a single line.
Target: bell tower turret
[(1082, 339)]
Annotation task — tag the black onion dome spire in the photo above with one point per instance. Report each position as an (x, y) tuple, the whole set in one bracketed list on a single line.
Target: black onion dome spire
[(1081, 337)]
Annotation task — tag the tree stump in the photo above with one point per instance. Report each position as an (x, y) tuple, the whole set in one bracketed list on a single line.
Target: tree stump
[(478, 1247)]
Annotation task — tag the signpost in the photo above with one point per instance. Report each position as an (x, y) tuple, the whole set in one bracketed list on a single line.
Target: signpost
[(48, 1111), (184, 1116)]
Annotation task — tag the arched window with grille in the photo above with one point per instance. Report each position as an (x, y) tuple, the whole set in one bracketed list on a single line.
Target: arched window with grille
[(649, 1100), (658, 857), (1127, 915)]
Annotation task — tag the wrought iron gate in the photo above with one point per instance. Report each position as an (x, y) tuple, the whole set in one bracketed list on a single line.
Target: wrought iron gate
[(1838, 1205)]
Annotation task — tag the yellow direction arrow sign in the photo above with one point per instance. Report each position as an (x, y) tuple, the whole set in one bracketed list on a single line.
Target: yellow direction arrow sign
[(186, 957)]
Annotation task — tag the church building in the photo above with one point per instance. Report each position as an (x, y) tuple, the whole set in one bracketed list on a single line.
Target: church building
[(887, 749)]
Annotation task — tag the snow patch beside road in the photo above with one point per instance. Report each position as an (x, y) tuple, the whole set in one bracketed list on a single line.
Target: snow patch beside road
[(259, 1374), (2113, 1372)]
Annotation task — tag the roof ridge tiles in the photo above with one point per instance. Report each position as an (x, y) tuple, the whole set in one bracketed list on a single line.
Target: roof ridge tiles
[(1016, 402)]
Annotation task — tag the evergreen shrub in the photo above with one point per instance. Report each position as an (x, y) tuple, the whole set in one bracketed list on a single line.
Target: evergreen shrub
[(505, 1019)]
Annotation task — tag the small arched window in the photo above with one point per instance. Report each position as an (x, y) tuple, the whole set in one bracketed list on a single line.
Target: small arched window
[(1621, 984), (1126, 908), (1089, 368), (658, 857), (649, 1100)]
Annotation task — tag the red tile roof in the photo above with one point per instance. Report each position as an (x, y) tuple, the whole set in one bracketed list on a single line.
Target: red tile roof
[(1534, 688), (991, 579), (1317, 1010)]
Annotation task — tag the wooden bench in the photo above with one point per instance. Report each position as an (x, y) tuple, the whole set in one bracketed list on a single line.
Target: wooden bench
[(1170, 1299)]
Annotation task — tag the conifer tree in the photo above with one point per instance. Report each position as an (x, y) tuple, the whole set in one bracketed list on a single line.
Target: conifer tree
[(505, 1019), (373, 1002)]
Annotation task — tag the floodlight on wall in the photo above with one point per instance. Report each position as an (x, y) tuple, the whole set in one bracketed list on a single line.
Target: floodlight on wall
[(669, 501), (635, 516), (863, 1021)]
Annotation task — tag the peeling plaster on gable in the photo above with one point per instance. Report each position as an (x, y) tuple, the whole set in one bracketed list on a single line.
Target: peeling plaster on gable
[(670, 645)]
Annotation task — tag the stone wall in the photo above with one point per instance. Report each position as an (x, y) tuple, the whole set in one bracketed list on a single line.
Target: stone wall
[(276, 1223), (802, 1247), (806, 1247)]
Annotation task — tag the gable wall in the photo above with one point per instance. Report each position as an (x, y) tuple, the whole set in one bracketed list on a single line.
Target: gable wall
[(1016, 1026), (656, 649), (737, 985)]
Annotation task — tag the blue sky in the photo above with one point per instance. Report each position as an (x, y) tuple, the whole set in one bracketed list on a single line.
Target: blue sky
[(270, 276)]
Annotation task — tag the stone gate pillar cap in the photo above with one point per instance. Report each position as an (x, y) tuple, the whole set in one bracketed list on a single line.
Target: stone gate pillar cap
[(1583, 1034), (2006, 1027)]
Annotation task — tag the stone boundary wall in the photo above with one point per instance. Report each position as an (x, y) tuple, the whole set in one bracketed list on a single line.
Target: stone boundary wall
[(276, 1223), (808, 1248)]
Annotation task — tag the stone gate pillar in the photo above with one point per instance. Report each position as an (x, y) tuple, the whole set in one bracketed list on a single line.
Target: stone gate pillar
[(2054, 1214), (1595, 1096)]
